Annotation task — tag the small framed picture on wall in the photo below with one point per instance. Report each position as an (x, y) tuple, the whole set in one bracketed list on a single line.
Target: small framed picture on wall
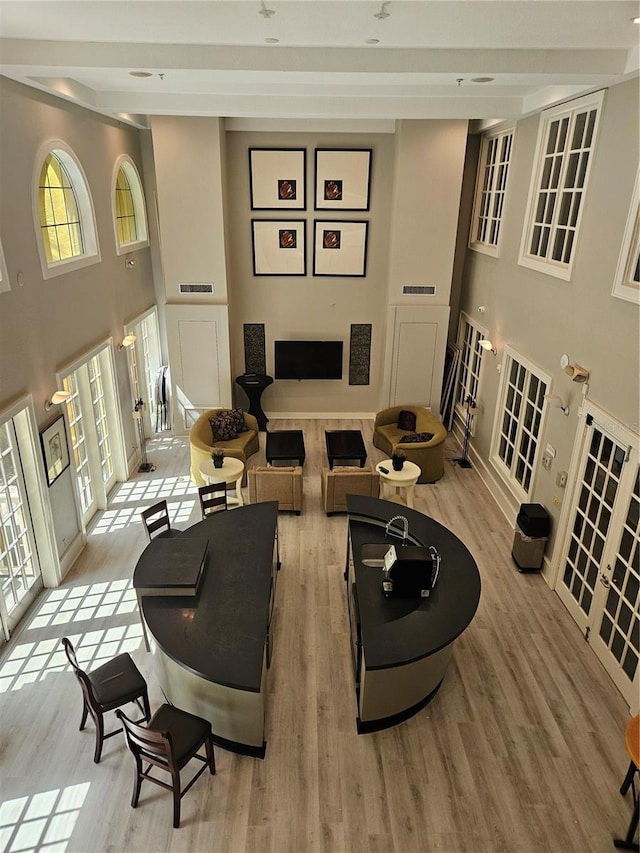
[(55, 449), (342, 179), (277, 178), (340, 248), (279, 247)]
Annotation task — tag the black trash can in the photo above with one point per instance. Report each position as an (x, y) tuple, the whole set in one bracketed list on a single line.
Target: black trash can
[(530, 539)]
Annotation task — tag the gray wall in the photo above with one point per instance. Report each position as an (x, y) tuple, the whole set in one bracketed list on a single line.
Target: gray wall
[(542, 316), (45, 324)]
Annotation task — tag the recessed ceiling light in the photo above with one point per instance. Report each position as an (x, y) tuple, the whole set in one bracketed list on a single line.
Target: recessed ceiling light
[(372, 41), (272, 41), (482, 79), (140, 74)]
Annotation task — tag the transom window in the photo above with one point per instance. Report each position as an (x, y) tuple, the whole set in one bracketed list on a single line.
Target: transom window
[(627, 281), (491, 185), (59, 216), (518, 422), (128, 206), (63, 212), (5, 284), (563, 159)]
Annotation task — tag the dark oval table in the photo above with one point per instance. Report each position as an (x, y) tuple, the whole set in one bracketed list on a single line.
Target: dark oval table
[(402, 646), (211, 650)]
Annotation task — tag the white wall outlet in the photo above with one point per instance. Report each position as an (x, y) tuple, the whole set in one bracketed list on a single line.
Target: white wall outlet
[(547, 459), (561, 479), (550, 449)]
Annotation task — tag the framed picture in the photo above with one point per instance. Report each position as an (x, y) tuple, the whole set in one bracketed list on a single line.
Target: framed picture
[(343, 179), (55, 449), (277, 178), (340, 248), (279, 247)]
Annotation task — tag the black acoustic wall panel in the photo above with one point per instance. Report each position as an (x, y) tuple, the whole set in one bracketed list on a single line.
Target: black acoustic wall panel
[(359, 353), (254, 348)]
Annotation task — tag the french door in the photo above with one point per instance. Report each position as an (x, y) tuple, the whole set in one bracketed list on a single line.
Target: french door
[(599, 579), (93, 427), (144, 364), (20, 578)]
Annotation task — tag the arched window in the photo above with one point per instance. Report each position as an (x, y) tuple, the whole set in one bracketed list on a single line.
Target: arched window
[(64, 220), (129, 215)]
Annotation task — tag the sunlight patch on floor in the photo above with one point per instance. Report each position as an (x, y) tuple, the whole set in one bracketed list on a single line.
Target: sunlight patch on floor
[(43, 821)]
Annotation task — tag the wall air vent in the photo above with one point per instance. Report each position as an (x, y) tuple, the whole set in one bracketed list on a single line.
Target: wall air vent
[(190, 287), (419, 290)]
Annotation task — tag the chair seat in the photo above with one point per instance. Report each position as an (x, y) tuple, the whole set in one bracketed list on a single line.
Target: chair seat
[(169, 534), (185, 730), (116, 682)]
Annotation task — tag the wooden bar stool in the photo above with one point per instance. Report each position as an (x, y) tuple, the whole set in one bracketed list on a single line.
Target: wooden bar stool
[(632, 738)]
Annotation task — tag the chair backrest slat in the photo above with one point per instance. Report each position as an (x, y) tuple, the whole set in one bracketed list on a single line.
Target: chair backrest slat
[(156, 517), (213, 498)]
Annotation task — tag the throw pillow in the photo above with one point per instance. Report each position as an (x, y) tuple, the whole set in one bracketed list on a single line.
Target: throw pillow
[(416, 438), (407, 420), (223, 427), (238, 418)]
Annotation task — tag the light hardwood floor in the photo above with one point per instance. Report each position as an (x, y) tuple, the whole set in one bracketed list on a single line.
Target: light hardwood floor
[(522, 749)]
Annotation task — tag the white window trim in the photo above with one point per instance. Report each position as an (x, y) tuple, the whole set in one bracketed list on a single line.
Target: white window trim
[(498, 465), (85, 209), (139, 205), (465, 318), (5, 283), (476, 245), (623, 286), (550, 267)]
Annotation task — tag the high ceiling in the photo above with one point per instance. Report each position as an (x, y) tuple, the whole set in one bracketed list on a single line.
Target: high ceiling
[(214, 57)]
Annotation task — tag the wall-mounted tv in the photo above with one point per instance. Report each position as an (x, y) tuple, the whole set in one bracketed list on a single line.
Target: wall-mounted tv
[(308, 359)]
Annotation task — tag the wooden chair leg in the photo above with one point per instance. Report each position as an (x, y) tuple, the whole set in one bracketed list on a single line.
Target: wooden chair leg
[(211, 760), (99, 720), (85, 711), (137, 783), (176, 800)]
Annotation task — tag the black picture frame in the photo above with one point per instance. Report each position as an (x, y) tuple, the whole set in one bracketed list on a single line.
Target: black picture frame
[(279, 247), (278, 178), (55, 449), (342, 178), (340, 248)]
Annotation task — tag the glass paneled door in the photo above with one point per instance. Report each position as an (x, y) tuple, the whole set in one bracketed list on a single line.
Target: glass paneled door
[(20, 578), (144, 363), (600, 572), (93, 426)]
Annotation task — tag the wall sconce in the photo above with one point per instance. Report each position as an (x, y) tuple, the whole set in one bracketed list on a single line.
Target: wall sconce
[(557, 403), (127, 341), (485, 343), (573, 370), (56, 398), (129, 263)]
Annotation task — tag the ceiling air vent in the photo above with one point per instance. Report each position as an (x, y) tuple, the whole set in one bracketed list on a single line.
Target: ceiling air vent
[(190, 287), (419, 290)]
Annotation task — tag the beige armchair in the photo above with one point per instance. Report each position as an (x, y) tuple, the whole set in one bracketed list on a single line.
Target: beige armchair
[(276, 484), (427, 455), (202, 443), (341, 481)]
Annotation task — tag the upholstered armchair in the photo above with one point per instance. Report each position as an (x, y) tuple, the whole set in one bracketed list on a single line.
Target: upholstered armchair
[(340, 481), (428, 455), (282, 484), (202, 442)]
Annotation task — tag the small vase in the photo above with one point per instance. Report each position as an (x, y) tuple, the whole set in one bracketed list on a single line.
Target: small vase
[(397, 463)]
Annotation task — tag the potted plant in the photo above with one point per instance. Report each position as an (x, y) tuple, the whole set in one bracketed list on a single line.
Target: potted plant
[(217, 457), (397, 459)]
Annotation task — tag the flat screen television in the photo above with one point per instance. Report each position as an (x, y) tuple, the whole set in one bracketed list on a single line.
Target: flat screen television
[(308, 359)]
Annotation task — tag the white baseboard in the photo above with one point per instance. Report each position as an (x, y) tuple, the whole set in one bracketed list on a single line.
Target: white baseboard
[(72, 553)]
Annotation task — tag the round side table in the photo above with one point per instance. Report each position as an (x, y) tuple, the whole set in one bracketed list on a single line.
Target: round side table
[(393, 483), (231, 472)]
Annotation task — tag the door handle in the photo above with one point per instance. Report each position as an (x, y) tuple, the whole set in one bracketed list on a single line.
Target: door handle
[(604, 580)]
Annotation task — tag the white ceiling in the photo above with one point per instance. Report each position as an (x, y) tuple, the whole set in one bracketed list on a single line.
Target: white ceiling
[(209, 57)]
